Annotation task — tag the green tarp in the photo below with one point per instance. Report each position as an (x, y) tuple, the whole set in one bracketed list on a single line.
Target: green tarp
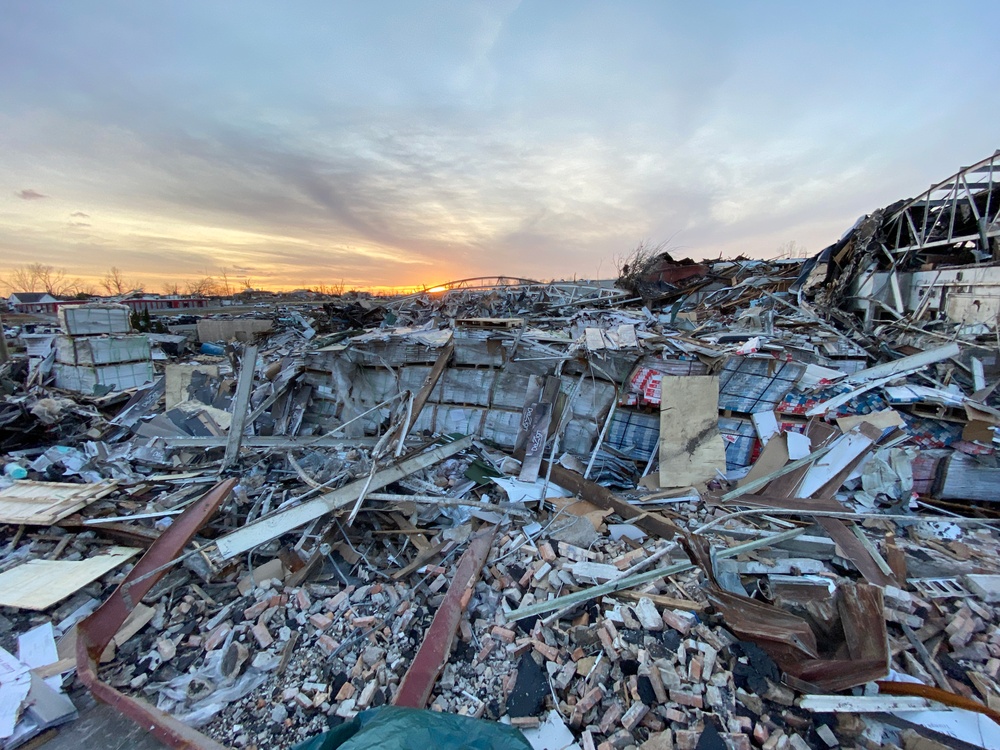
[(394, 728)]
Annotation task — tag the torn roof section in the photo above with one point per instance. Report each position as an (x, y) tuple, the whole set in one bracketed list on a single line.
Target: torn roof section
[(934, 257)]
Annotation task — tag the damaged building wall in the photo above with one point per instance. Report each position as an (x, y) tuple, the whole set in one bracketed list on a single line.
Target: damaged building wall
[(481, 392)]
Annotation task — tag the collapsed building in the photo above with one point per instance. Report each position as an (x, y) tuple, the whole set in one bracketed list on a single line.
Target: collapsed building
[(740, 503)]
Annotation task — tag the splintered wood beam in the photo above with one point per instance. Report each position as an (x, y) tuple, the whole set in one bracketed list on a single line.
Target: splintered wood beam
[(419, 680), (402, 429), (280, 522), (432, 379), (244, 385), (605, 499)]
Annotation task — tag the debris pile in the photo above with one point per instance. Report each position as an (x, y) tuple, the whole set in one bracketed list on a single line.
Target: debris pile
[(721, 506)]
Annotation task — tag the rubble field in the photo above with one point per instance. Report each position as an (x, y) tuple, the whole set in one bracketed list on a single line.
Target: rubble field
[(717, 504)]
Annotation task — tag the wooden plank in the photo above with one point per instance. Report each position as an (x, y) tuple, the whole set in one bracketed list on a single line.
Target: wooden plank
[(664, 601), (691, 448), (540, 416), (45, 503), (604, 498), (248, 366), (883, 420), (38, 584), (855, 551), (278, 523), (905, 365), (863, 618), (504, 323), (423, 557), (757, 482), (863, 704)]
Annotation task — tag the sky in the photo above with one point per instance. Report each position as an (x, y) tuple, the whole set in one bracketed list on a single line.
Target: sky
[(399, 144)]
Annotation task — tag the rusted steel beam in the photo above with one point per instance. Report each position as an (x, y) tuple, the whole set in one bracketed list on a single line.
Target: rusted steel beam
[(95, 632), (420, 678)]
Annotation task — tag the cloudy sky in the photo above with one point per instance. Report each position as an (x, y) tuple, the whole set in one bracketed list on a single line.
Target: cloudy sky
[(407, 143)]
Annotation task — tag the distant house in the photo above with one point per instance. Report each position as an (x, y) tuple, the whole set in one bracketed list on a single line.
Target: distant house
[(33, 302)]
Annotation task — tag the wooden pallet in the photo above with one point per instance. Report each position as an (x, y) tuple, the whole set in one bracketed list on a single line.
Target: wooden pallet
[(935, 411)]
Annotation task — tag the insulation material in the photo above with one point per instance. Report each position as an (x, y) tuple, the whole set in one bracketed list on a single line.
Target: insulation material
[(94, 319), (593, 399), (101, 350), (799, 401), (38, 345), (969, 478), (463, 386), (928, 433), (579, 436), (511, 388), (494, 425), (85, 378)]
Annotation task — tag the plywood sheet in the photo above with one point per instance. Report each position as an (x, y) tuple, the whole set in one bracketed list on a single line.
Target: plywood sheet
[(38, 584), (691, 448), (45, 503)]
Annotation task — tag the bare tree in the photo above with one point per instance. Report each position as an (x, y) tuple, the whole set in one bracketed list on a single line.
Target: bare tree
[(791, 249), (39, 277), (115, 284), (332, 290), (223, 283), (634, 266), (172, 288), (247, 284), (207, 286)]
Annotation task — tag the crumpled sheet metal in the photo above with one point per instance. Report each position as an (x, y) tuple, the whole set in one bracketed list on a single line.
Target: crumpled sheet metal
[(791, 641), (95, 632), (786, 637)]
